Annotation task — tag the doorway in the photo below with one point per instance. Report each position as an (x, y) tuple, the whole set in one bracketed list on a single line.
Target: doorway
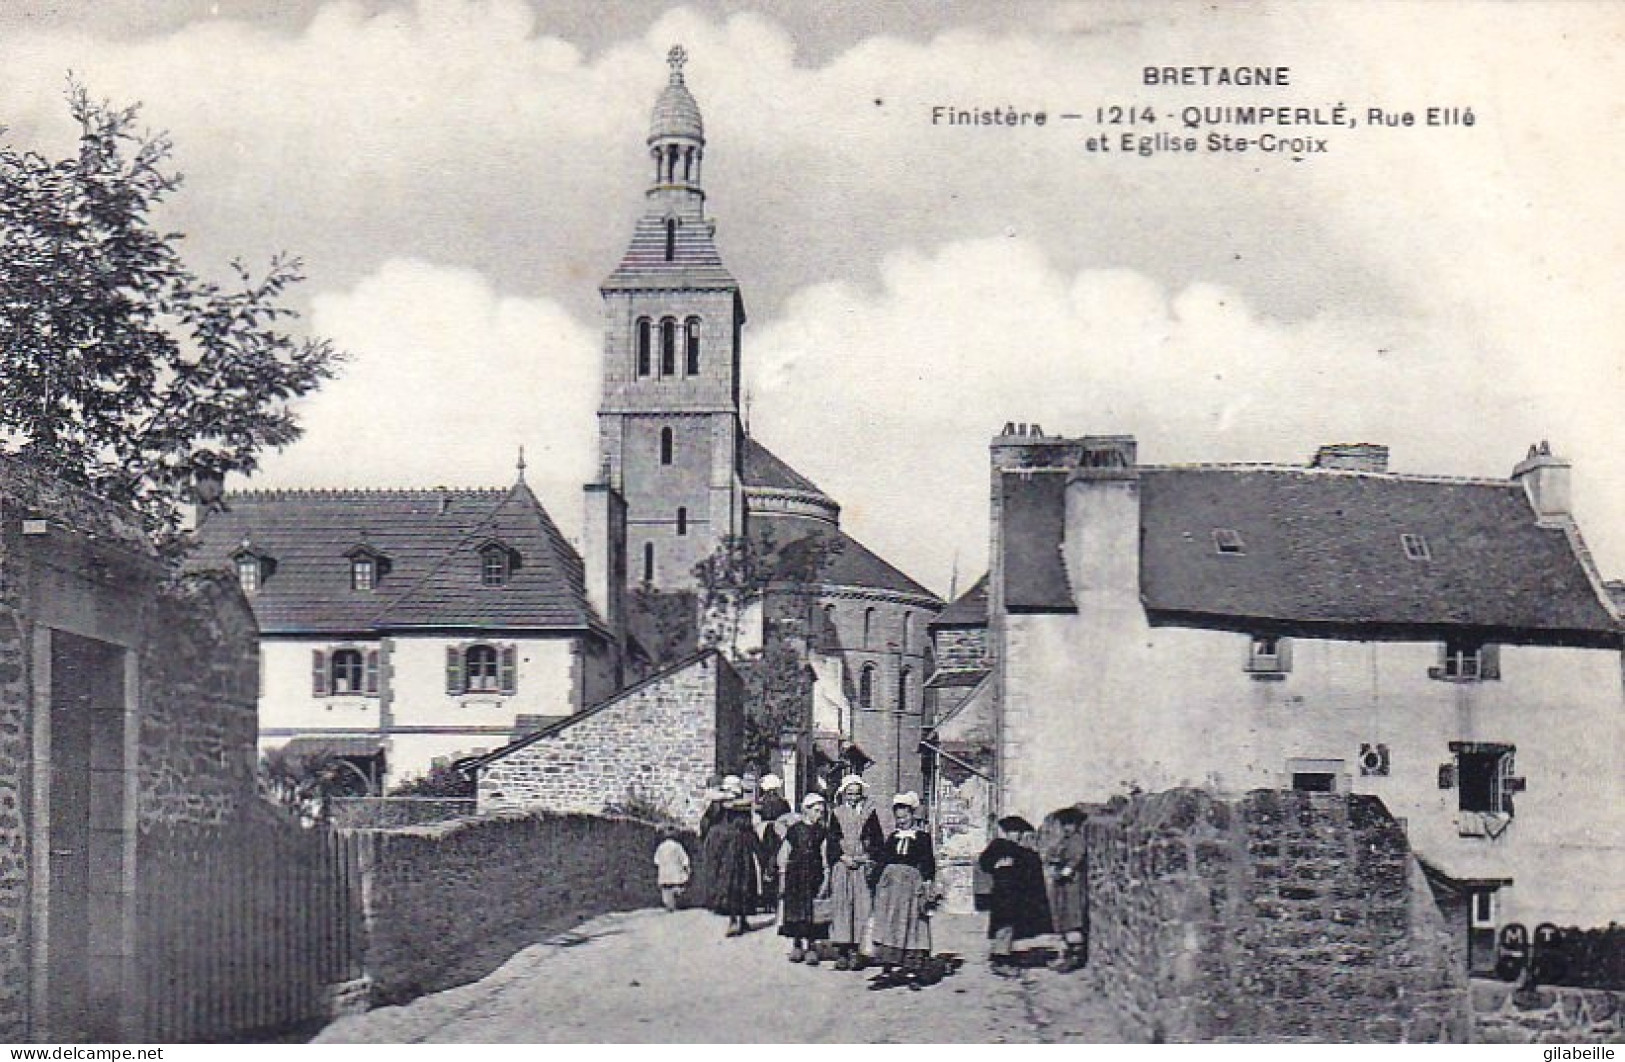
[(85, 839)]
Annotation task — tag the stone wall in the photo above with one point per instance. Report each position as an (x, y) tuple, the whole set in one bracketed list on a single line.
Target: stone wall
[(449, 903), (1283, 916), (960, 647), (199, 705), (651, 748), (1504, 1015), (14, 763)]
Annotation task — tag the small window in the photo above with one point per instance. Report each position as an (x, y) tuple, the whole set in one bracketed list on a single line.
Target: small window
[(682, 520), (1484, 779), (1228, 541), (1314, 781), (1269, 654), (480, 669), (1467, 660), (248, 572), (668, 347), (671, 238), (643, 347), (868, 626), (494, 565), (363, 573), (692, 345), (903, 679), (1416, 547), (1483, 912), (648, 562), (908, 630), (866, 687), (348, 670), (666, 446)]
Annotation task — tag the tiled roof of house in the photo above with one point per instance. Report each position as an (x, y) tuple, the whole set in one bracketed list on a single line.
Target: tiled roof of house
[(1322, 547), (695, 261), (764, 468), (847, 562), (427, 540), (968, 609)]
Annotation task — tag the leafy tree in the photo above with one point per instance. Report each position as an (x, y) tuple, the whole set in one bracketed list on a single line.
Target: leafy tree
[(443, 780), (120, 369)]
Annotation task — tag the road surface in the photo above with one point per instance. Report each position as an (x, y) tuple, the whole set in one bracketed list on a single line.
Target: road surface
[(650, 976)]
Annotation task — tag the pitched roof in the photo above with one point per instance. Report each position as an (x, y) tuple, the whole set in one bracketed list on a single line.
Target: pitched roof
[(846, 561), (968, 609), (546, 585), (763, 468), (695, 261), (1324, 547), (306, 535), (1034, 526)]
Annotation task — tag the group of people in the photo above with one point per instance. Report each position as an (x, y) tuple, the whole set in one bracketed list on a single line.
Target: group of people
[(858, 894), (1029, 891)]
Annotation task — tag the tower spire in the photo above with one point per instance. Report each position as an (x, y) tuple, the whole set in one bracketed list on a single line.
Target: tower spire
[(677, 140), (520, 464)]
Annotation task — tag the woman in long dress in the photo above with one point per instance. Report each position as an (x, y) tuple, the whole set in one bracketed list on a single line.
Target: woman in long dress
[(860, 839), (807, 852), (732, 847), (902, 935)]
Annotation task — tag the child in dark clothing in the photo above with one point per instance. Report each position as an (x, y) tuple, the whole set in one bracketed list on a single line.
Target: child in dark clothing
[(1068, 862), (1018, 907)]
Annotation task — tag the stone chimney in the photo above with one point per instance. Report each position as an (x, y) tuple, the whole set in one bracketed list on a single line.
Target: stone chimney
[(1102, 542), (1352, 457), (1545, 479)]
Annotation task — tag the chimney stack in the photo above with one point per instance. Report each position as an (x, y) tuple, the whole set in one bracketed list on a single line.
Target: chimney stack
[(1352, 457), (1545, 480)]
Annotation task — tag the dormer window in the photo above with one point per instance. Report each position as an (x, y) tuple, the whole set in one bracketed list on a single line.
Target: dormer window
[(497, 564), (248, 572), (1416, 547), (1228, 541), (367, 567)]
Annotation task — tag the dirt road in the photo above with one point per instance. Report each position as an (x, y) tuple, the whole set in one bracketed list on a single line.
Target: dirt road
[(649, 976)]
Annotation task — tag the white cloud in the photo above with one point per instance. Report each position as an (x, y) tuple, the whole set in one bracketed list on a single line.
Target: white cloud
[(446, 381)]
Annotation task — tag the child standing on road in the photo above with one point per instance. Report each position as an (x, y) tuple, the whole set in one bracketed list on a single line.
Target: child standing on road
[(1068, 859), (671, 870)]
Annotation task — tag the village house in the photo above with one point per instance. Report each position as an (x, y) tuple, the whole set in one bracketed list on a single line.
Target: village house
[(399, 628), (1444, 644)]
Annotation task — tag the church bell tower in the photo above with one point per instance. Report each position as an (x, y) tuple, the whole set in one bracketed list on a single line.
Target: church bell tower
[(669, 429)]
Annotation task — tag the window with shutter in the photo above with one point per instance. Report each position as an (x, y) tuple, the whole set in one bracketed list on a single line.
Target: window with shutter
[(372, 673), (347, 668), (508, 669), (480, 669), (454, 670), (1269, 655), (318, 672)]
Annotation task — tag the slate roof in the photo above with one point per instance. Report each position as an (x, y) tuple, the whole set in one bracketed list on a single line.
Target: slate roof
[(763, 468), (1034, 525), (968, 609), (848, 562), (1323, 547), (431, 541), (695, 261)]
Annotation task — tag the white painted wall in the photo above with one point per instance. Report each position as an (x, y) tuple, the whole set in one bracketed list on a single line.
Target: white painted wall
[(1100, 701)]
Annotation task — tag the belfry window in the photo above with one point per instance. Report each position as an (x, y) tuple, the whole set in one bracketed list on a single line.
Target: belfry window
[(671, 238), (691, 343), (665, 446), (682, 520), (648, 562), (866, 687), (644, 363), (668, 347)]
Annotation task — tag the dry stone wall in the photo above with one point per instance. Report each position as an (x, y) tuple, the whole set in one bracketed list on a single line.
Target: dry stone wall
[(1504, 1015), (1283, 916)]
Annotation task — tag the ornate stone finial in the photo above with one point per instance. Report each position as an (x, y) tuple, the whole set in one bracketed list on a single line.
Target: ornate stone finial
[(675, 59), (520, 464)]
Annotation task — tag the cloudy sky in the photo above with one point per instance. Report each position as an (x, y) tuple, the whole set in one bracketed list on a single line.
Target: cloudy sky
[(459, 176)]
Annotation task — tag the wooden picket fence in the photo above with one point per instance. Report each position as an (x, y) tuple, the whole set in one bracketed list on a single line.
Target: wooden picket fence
[(245, 929)]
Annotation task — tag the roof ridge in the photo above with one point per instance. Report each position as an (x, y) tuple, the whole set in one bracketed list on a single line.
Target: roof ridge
[(278, 493), (1271, 466)]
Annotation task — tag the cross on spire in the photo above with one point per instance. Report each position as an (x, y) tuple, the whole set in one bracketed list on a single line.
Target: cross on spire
[(520, 464), (675, 59)]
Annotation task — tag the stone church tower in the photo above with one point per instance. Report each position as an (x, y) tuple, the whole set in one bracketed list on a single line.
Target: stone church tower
[(669, 429)]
